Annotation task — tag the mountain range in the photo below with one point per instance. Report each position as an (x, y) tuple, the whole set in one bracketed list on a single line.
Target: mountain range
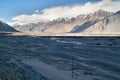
[(85, 23), (99, 22), (107, 25)]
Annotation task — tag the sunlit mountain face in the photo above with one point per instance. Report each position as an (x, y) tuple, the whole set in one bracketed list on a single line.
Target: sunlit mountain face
[(98, 22), (62, 25)]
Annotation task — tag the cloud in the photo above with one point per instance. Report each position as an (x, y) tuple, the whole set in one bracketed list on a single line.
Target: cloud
[(50, 14), (2, 20), (36, 11)]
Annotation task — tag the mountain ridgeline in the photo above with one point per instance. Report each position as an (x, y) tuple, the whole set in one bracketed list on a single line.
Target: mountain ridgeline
[(6, 28), (99, 22), (108, 25)]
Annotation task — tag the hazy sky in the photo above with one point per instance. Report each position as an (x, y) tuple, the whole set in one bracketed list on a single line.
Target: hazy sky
[(26, 11)]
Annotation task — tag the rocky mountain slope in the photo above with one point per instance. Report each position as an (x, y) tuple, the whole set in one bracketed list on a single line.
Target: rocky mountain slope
[(64, 25), (6, 28), (108, 25)]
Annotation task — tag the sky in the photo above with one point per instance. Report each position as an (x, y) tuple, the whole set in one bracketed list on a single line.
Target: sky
[(27, 11)]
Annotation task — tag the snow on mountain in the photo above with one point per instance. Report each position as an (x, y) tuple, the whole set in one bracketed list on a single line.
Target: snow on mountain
[(108, 25), (63, 25)]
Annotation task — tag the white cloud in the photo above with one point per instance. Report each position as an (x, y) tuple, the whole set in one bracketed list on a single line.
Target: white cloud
[(36, 11), (50, 14), (1, 19)]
